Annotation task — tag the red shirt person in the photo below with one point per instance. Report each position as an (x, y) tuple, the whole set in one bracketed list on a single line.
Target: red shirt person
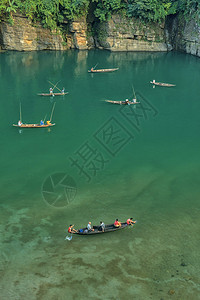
[(117, 223), (71, 229), (130, 221)]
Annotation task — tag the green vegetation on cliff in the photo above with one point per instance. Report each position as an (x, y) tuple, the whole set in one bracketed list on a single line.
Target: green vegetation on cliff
[(51, 13)]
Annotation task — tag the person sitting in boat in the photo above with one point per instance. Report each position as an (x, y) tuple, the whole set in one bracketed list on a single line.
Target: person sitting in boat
[(130, 221), (117, 223), (134, 100), (51, 91), (48, 123), (102, 226), (89, 227), (154, 81), (41, 122), (126, 101), (92, 69), (71, 229), (19, 123), (63, 91)]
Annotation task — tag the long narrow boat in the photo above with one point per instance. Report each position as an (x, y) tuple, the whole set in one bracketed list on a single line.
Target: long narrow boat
[(108, 228), (102, 70), (54, 94), (34, 125), (121, 102), (162, 84)]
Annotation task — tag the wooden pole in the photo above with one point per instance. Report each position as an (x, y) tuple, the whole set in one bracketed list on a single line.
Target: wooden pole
[(20, 112), (134, 92), (55, 85), (52, 111), (95, 65)]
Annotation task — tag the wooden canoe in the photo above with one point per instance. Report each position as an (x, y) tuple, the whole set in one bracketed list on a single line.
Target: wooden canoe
[(34, 125), (108, 228), (103, 70), (54, 94), (121, 102), (162, 84)]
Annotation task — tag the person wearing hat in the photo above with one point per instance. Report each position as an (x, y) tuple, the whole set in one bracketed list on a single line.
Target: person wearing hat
[(89, 227), (126, 102)]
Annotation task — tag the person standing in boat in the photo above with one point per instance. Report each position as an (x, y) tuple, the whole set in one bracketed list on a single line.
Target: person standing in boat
[(19, 123), (117, 223), (63, 91), (71, 229), (51, 91), (130, 221), (102, 227), (89, 227)]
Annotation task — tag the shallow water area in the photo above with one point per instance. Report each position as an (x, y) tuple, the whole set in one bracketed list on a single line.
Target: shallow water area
[(100, 162)]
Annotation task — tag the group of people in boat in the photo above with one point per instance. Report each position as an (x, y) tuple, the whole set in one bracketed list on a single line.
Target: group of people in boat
[(41, 123), (102, 226), (52, 94), (127, 101)]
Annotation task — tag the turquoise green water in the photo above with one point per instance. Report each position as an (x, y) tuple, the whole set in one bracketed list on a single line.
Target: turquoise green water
[(143, 162)]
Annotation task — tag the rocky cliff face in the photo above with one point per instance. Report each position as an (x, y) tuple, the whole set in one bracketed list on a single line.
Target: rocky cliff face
[(117, 34), (22, 36), (184, 36), (122, 34)]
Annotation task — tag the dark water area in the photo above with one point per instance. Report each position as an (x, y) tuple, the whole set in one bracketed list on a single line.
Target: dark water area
[(100, 161)]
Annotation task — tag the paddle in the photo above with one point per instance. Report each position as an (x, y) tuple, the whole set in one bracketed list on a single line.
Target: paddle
[(52, 111), (45, 118), (20, 112), (55, 85), (95, 66), (69, 238), (134, 93)]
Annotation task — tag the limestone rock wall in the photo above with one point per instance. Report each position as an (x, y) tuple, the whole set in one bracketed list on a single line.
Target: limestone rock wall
[(117, 34), (23, 36), (122, 34), (77, 35), (185, 36)]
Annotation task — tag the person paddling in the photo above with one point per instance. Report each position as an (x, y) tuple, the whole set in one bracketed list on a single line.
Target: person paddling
[(51, 91), (126, 102), (117, 223), (130, 221), (102, 226), (89, 227), (71, 229)]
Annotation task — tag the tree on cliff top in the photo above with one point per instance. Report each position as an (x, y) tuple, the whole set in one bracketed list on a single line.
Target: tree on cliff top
[(51, 13)]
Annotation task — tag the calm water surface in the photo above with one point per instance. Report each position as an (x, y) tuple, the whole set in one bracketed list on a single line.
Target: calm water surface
[(100, 162)]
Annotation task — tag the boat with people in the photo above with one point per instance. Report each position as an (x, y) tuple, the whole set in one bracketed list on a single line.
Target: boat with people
[(42, 124), (92, 70), (122, 102), (162, 83), (53, 94), (33, 125), (108, 228), (51, 91)]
